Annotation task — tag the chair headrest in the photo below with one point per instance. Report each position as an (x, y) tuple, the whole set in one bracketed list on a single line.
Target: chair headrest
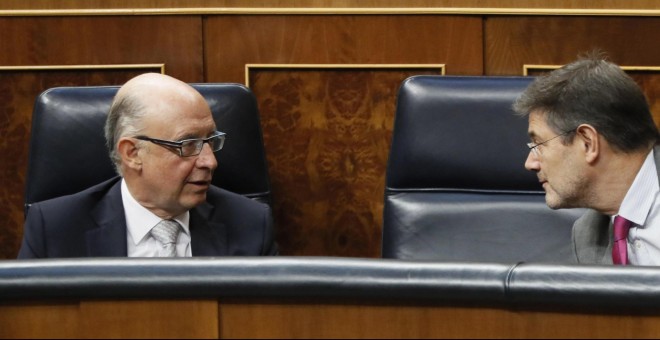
[(460, 133)]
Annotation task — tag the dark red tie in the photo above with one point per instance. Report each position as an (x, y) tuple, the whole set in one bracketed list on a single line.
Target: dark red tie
[(620, 248)]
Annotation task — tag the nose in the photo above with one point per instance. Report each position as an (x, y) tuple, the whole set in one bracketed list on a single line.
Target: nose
[(532, 162), (206, 158)]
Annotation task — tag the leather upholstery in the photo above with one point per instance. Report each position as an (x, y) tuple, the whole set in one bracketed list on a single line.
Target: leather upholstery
[(456, 186), (476, 284), (68, 154)]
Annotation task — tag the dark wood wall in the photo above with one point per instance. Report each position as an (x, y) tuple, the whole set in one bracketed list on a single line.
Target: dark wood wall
[(326, 86)]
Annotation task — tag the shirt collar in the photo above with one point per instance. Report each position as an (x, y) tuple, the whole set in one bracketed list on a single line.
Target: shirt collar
[(640, 197), (139, 220)]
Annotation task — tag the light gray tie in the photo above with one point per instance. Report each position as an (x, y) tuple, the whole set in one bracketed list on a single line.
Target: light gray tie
[(166, 232)]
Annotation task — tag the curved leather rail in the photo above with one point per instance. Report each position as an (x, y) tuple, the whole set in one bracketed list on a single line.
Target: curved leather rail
[(328, 277), (593, 286), (250, 277)]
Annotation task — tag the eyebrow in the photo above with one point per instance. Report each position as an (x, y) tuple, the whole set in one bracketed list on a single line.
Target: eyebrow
[(192, 136)]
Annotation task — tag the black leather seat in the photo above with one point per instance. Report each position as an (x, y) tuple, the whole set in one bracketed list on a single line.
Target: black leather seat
[(456, 187), (68, 154)]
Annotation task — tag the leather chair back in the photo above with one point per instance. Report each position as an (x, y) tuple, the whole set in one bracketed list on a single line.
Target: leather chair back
[(67, 148), (456, 187)]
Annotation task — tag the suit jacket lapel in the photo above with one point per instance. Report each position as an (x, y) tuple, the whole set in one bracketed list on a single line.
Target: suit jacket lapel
[(208, 238), (605, 253), (109, 239)]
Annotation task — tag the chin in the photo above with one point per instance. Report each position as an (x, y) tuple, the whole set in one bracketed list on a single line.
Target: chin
[(195, 200), (553, 202)]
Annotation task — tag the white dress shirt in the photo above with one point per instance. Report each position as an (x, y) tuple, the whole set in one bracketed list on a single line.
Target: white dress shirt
[(140, 221), (641, 206)]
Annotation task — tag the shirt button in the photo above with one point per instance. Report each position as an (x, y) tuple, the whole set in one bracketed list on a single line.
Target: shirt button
[(638, 244)]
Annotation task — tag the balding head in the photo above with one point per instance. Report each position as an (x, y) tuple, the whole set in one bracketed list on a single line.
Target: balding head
[(139, 97), (152, 88)]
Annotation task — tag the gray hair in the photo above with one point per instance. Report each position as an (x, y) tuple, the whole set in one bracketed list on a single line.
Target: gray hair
[(592, 91), (124, 119)]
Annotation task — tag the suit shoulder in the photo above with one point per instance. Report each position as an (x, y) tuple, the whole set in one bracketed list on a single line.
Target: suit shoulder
[(589, 222), (80, 199), (591, 237)]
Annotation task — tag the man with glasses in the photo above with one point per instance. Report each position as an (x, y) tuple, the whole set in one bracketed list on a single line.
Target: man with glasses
[(593, 145), (161, 137)]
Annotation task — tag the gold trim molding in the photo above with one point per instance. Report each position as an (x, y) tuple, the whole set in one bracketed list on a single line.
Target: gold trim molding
[(81, 67), (331, 11), (248, 67), (531, 67)]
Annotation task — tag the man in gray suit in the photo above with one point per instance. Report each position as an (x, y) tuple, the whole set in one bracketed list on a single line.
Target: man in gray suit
[(593, 145)]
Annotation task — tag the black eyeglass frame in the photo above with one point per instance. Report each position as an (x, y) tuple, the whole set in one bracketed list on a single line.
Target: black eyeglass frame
[(179, 145)]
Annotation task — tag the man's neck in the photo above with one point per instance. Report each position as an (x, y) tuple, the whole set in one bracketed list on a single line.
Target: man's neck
[(615, 176)]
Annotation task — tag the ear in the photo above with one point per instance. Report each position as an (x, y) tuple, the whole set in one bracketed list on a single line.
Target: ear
[(129, 152), (588, 140)]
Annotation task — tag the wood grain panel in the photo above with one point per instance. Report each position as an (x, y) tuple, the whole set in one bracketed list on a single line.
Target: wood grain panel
[(511, 42), (150, 319), (88, 4), (175, 41), (127, 319), (18, 90), (650, 84), (327, 133), (358, 321), (318, 320), (40, 320), (311, 319), (327, 136), (231, 42)]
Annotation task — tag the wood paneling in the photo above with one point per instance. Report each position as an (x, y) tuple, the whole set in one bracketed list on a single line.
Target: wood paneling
[(511, 42), (311, 319), (175, 41), (327, 136), (234, 41), (650, 84), (91, 4), (360, 321), (320, 320), (127, 319), (327, 132)]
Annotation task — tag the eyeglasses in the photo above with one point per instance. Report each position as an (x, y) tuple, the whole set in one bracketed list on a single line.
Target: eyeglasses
[(190, 147), (534, 147)]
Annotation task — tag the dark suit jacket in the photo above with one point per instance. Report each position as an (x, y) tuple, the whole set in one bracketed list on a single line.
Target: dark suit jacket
[(592, 233), (92, 223)]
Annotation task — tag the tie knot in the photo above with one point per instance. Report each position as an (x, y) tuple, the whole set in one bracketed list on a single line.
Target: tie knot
[(621, 227), (166, 231)]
